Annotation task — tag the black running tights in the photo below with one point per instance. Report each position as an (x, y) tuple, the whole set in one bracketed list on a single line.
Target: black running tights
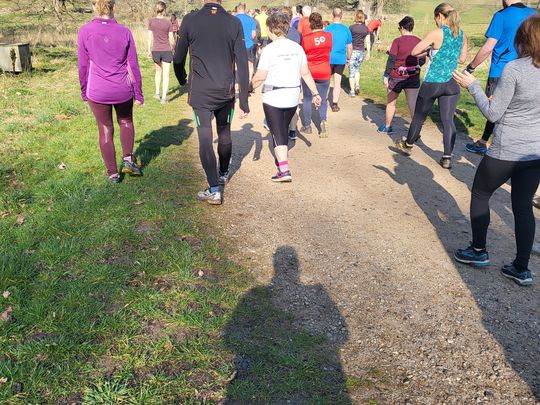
[(493, 173), (203, 121), (448, 96), (278, 120)]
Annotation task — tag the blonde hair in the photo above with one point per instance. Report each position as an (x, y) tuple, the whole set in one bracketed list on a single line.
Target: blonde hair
[(160, 7), (450, 15), (360, 17), (104, 7)]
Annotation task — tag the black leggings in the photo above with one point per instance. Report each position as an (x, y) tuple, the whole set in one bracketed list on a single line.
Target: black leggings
[(490, 89), (278, 120), (203, 121), (490, 175), (448, 96)]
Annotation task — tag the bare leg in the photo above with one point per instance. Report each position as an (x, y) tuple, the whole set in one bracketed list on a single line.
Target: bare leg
[(157, 77), (281, 153), (337, 88), (391, 100), (166, 74)]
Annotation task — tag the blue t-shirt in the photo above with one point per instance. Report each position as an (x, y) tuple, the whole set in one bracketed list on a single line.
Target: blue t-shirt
[(249, 25), (341, 37), (503, 28)]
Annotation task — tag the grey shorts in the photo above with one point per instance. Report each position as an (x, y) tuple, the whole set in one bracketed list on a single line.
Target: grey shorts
[(162, 56)]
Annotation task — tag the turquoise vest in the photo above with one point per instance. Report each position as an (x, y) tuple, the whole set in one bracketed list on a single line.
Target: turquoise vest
[(445, 60)]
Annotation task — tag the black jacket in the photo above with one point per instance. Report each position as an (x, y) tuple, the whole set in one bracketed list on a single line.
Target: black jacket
[(215, 41)]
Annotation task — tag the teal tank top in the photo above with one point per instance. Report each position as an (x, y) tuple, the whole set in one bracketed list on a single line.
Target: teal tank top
[(445, 60)]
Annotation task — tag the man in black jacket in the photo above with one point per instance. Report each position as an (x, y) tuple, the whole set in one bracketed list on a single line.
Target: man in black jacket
[(215, 41)]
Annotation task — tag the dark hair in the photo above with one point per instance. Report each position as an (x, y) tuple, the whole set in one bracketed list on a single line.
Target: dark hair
[(160, 7), (407, 23), (278, 24), (299, 9), (315, 21), (527, 41), (360, 17), (287, 10)]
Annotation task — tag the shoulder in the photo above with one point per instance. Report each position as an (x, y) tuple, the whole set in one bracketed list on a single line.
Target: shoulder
[(85, 28)]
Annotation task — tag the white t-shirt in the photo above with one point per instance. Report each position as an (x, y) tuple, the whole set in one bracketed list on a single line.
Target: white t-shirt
[(282, 59)]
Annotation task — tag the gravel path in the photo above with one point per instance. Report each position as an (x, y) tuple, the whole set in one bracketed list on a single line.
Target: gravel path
[(375, 231)]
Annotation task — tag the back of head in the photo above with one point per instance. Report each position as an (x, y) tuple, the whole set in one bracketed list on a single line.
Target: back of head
[(527, 41), (160, 8), (264, 9), (299, 9), (360, 17), (287, 10), (337, 13), (316, 21), (306, 11), (278, 23), (450, 15), (104, 8), (407, 23), (241, 8)]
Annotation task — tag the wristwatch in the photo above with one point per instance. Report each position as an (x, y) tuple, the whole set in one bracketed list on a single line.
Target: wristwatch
[(469, 68)]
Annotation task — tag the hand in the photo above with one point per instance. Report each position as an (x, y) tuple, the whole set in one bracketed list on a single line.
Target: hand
[(149, 55), (243, 115), (385, 81), (464, 79), (317, 100), (139, 102)]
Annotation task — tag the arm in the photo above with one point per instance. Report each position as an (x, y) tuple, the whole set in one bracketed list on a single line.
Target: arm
[(241, 58), (84, 64), (133, 66), (367, 45), (464, 50), (308, 79), (171, 40), (431, 39), (483, 53), (150, 42), (349, 52), (259, 77), (390, 63), (253, 34), (180, 55), (493, 109)]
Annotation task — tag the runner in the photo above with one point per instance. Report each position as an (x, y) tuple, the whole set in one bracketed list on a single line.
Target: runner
[(361, 52), (215, 41), (514, 154), (250, 33), (175, 26), (341, 52), (282, 66), (110, 78), (261, 19), (500, 44), (160, 44), (304, 26), (317, 45), (450, 43), (402, 72), (296, 18), (374, 26)]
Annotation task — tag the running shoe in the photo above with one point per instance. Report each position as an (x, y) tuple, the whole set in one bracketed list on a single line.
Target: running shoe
[(306, 130), (164, 101), (383, 129), (324, 129), (523, 278), (115, 179), (357, 91), (215, 198), (335, 107), (472, 256), (131, 168), (223, 178), (352, 93), (446, 162), (292, 135), (403, 147), (477, 147), (282, 177), (157, 96)]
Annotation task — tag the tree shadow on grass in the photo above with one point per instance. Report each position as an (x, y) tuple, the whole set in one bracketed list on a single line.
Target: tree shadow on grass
[(152, 144), (509, 312), (279, 358)]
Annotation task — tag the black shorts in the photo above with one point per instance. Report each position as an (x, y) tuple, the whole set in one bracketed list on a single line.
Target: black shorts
[(252, 53), (339, 69), (397, 84), (162, 56)]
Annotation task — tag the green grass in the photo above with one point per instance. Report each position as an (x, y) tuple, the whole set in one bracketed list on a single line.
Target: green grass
[(123, 294)]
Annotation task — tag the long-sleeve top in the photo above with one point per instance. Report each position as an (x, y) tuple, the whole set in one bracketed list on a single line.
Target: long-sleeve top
[(108, 65), (515, 110), (215, 41)]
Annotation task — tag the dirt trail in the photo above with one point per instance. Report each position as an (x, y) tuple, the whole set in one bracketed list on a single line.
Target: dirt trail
[(376, 230)]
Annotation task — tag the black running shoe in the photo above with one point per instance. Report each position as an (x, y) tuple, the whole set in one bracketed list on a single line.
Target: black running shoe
[(472, 257), (292, 135), (130, 168), (523, 278), (223, 178), (446, 162)]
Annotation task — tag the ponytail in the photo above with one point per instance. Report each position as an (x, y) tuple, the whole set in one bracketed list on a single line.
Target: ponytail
[(160, 7), (453, 20), (104, 7)]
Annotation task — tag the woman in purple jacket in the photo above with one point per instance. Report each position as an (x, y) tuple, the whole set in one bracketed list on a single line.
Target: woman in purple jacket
[(110, 78)]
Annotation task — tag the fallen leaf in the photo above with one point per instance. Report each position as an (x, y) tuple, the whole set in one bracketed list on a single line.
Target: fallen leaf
[(139, 202), (201, 273), (29, 252), (21, 219), (6, 316), (3, 380), (62, 166), (6, 294)]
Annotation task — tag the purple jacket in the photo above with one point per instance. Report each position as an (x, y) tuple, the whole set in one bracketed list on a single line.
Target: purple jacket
[(108, 65)]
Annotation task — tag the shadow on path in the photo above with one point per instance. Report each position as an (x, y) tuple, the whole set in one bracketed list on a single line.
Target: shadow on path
[(510, 313), (280, 359), (151, 145), (243, 142)]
